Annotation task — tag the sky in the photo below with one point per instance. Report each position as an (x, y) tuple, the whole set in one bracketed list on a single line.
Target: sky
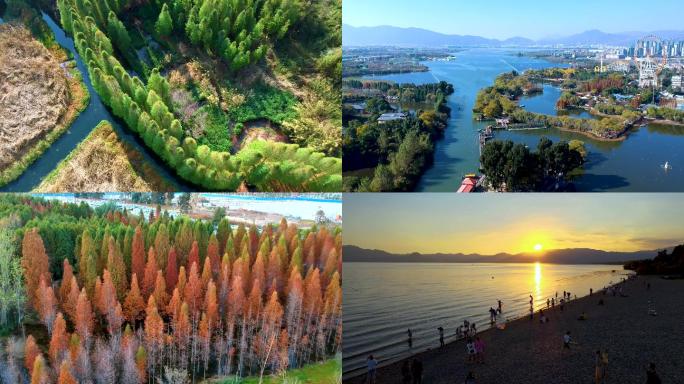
[(503, 19), (492, 223)]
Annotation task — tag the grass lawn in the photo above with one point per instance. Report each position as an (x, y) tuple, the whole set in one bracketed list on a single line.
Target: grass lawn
[(328, 372)]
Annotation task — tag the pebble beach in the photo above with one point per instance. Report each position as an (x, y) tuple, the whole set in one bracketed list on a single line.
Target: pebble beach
[(527, 351)]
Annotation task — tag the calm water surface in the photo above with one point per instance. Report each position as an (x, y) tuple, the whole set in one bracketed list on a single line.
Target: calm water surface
[(631, 165), (383, 300)]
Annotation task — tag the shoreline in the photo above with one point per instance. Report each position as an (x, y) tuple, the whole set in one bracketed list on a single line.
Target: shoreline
[(539, 346), (509, 320)]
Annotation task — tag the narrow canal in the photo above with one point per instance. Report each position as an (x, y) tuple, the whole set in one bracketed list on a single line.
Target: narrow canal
[(80, 128)]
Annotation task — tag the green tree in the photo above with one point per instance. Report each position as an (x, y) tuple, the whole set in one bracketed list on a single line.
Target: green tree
[(164, 24), (12, 293), (184, 202), (118, 33)]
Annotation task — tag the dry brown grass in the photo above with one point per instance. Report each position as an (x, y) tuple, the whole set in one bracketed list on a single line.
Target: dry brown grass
[(102, 163), (35, 93)]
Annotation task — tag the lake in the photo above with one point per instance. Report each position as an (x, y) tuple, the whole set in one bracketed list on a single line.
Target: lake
[(631, 165), (382, 300)]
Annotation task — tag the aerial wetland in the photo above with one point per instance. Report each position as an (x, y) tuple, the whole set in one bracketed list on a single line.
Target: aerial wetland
[(250, 111), (645, 157)]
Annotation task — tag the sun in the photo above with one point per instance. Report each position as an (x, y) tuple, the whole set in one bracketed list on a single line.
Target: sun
[(538, 247)]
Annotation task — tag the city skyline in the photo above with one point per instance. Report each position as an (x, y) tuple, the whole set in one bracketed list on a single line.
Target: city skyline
[(527, 19), (405, 223)]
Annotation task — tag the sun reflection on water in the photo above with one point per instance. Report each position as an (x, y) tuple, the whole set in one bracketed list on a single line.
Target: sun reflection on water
[(537, 279)]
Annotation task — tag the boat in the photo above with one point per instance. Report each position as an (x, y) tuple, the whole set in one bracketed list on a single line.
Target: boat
[(666, 166), (469, 183)]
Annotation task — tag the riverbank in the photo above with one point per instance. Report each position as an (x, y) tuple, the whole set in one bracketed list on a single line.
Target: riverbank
[(593, 136), (530, 352), (43, 96), (103, 162)]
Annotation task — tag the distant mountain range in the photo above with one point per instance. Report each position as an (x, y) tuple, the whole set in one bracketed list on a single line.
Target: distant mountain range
[(417, 37), (556, 256)]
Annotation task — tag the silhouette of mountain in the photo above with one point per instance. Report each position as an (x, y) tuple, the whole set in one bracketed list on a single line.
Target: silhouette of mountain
[(396, 36), (556, 256), (388, 35)]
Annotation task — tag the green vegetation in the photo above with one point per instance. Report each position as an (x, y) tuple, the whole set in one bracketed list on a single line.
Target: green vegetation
[(514, 168), (12, 292), (328, 372), (500, 100), (665, 113), (29, 16), (148, 109), (264, 102), (235, 30), (318, 120), (399, 151), (664, 263)]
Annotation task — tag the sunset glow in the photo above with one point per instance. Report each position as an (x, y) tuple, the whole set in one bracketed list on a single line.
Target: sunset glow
[(529, 224)]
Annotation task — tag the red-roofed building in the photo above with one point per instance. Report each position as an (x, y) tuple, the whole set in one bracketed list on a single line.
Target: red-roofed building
[(468, 185)]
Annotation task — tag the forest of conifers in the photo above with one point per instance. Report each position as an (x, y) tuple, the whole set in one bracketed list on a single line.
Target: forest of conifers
[(239, 33), (106, 295)]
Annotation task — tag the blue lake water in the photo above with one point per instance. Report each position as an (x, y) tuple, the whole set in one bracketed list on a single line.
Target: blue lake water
[(634, 164)]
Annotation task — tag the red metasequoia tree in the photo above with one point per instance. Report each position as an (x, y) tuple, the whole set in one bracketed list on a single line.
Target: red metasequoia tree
[(84, 317), (65, 285), (59, 342), (134, 305), (31, 351), (35, 263), (65, 376), (150, 273), (46, 304), (172, 269), (138, 253)]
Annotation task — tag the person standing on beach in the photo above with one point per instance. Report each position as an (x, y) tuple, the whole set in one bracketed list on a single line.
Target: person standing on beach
[(553, 302), (479, 350), (562, 302), (441, 337), (591, 291), (406, 372), (548, 303), (499, 308), (417, 371), (492, 315), (567, 340), (651, 375), (372, 365), (470, 350), (601, 365)]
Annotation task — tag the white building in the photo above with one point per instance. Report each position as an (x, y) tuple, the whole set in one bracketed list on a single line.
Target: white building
[(385, 117), (677, 82), (647, 74)]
